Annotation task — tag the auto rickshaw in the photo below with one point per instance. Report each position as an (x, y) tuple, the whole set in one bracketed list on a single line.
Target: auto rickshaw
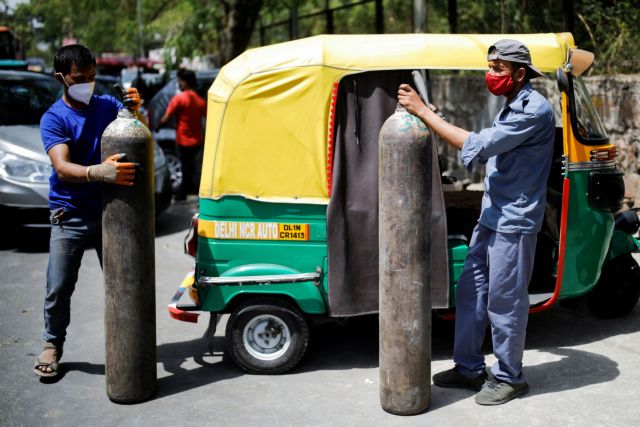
[(287, 228)]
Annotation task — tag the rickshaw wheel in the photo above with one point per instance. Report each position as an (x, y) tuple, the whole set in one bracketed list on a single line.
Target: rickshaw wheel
[(618, 289), (266, 336)]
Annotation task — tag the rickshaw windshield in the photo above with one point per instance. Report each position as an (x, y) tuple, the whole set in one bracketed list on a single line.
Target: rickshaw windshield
[(587, 124)]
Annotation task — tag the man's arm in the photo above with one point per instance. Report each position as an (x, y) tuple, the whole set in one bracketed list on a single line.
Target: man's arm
[(171, 109), (110, 170), (163, 120), (452, 135)]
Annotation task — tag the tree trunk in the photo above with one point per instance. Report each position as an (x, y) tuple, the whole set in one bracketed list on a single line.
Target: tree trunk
[(240, 17)]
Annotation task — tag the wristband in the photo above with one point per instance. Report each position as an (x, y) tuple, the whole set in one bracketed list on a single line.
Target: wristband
[(88, 179)]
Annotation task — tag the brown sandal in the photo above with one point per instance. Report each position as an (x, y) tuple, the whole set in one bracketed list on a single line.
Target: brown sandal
[(56, 354)]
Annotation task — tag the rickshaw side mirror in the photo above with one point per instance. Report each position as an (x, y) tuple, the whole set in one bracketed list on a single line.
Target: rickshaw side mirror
[(562, 79), (579, 61)]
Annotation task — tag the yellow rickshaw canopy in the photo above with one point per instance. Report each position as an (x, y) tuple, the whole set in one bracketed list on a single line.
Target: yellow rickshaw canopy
[(268, 117)]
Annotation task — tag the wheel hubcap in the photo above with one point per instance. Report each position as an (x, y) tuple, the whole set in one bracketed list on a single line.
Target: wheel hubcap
[(266, 337), (175, 171)]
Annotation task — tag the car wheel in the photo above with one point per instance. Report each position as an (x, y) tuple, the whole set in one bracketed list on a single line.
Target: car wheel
[(266, 336), (175, 170), (618, 289)]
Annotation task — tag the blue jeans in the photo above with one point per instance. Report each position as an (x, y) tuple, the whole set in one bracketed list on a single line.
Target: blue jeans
[(492, 289), (71, 235)]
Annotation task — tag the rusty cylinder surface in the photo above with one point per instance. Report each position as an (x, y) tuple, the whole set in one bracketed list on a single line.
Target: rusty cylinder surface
[(405, 291), (128, 233)]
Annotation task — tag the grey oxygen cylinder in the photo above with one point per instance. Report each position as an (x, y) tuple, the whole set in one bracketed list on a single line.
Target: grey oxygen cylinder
[(128, 232), (404, 176)]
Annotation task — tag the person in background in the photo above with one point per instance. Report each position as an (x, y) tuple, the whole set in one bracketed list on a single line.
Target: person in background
[(492, 288), (71, 130), (189, 109)]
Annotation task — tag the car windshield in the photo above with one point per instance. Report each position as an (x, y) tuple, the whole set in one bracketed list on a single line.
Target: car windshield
[(23, 101)]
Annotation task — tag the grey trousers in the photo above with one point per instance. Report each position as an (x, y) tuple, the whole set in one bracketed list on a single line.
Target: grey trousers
[(492, 289)]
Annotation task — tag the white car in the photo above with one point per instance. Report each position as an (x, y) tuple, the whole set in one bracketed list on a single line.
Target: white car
[(24, 166)]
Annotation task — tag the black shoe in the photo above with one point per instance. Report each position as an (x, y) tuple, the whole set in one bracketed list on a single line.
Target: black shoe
[(498, 392), (454, 379)]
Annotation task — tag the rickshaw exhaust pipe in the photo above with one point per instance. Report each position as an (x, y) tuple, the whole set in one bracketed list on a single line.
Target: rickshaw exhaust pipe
[(405, 250), (128, 233)]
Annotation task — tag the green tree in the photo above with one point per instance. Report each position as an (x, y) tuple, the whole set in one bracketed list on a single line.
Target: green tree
[(225, 28)]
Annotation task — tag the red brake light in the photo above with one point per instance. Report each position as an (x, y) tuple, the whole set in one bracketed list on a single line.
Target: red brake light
[(604, 154)]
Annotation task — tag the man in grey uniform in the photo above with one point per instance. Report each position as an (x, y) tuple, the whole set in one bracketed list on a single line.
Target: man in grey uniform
[(492, 288)]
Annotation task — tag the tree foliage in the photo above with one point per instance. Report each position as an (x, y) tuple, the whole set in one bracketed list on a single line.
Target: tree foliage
[(224, 28)]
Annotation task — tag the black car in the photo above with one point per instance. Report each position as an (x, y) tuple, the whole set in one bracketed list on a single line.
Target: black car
[(24, 166), (104, 84), (166, 136)]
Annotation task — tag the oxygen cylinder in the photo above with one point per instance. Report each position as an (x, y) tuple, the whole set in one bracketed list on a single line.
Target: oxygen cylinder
[(405, 290), (128, 232)]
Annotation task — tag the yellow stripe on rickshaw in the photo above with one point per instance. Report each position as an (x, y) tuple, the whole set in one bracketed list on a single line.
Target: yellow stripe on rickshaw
[(236, 230)]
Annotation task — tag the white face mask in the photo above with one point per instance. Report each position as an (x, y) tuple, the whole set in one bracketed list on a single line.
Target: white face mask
[(81, 92)]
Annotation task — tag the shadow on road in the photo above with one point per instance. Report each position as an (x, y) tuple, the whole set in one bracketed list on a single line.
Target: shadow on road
[(177, 218), (25, 240), (354, 344), (66, 367), (575, 369), (174, 355)]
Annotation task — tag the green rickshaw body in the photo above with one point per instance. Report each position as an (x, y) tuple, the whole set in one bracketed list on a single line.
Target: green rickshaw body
[(235, 257), (589, 232), (232, 254)]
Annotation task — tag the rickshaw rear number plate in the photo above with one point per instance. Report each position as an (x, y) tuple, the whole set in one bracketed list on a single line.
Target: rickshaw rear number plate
[(231, 230)]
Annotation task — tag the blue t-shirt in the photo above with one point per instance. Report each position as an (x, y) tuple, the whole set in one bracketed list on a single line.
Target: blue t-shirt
[(517, 150), (81, 130)]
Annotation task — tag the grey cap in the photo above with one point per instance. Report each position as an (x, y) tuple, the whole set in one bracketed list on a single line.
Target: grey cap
[(514, 51)]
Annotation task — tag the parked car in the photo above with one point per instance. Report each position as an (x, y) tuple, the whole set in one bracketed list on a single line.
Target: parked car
[(104, 84), (24, 166), (166, 136)]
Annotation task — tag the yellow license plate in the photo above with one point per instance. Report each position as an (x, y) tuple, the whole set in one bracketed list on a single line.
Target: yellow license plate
[(232, 230)]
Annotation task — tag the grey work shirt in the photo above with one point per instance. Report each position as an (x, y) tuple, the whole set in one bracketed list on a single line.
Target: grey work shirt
[(517, 150)]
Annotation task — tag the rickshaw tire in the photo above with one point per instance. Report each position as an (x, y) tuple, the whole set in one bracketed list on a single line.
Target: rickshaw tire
[(279, 308), (618, 289)]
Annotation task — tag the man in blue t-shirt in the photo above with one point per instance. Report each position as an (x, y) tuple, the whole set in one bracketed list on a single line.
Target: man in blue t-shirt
[(71, 131), (492, 289)]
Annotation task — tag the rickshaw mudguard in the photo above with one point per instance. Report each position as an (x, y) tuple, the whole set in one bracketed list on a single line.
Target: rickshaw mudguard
[(588, 236), (242, 238), (304, 294)]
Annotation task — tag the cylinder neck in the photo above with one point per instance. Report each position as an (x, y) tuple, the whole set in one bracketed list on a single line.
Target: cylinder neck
[(125, 113), (400, 108)]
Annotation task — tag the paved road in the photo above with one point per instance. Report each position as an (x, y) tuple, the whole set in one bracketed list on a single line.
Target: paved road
[(583, 371)]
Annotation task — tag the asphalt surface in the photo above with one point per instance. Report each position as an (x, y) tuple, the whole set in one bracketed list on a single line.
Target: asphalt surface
[(583, 371)]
